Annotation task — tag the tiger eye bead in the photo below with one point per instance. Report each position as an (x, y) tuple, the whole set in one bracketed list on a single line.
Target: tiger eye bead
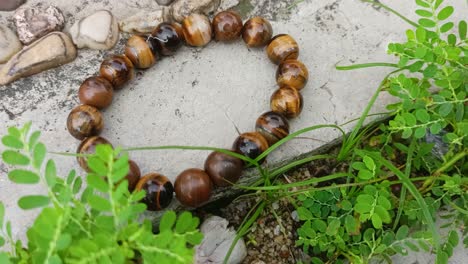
[(84, 121), (282, 47), (118, 70), (167, 38), (273, 127), (227, 26), (97, 92), (257, 32), (223, 169), (139, 52), (292, 73), (286, 101), (159, 191), (88, 146), (193, 187), (133, 175), (250, 144), (197, 30)]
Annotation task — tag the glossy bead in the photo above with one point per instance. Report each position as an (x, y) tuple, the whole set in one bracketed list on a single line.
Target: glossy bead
[(282, 47), (273, 127), (250, 144), (227, 26), (257, 32), (96, 91), (197, 30), (167, 38), (193, 187), (84, 121), (88, 146), (159, 191), (118, 70), (139, 52), (133, 175), (287, 101), (292, 73), (223, 169)]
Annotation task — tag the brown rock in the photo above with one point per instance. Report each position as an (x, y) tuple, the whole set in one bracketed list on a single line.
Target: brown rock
[(48, 52), (35, 22), (145, 22), (182, 8), (9, 5)]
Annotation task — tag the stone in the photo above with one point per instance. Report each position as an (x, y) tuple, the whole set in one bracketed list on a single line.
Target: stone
[(182, 8), (50, 51), (164, 2), (10, 5), (97, 31), (217, 239), (9, 43), (145, 22), (37, 21)]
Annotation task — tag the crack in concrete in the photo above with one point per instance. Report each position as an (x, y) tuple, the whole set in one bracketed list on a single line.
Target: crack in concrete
[(330, 99)]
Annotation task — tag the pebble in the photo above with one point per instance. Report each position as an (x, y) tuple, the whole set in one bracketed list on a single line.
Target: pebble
[(164, 2), (145, 22), (10, 5), (182, 8), (50, 51), (97, 31), (295, 216), (37, 21), (9, 43)]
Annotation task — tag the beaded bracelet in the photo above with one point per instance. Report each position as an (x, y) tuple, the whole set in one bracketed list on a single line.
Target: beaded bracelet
[(193, 186)]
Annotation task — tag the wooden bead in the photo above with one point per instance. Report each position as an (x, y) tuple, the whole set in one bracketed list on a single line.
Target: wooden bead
[(292, 73), (250, 144), (257, 32), (223, 169), (273, 127), (286, 101), (193, 187), (159, 191), (118, 70), (133, 175), (84, 121), (197, 30), (88, 146), (167, 38), (282, 47), (139, 52), (227, 26), (97, 92)]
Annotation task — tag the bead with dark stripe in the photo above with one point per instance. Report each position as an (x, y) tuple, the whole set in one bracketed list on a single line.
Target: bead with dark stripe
[(250, 144), (257, 32), (88, 146), (287, 101), (197, 30), (85, 121), (138, 50), (193, 187), (118, 70), (282, 47), (223, 169), (159, 191), (273, 127), (227, 26), (167, 38), (96, 91), (292, 73)]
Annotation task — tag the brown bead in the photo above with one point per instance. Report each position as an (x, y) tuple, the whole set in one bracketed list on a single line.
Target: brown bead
[(159, 191), (282, 47), (257, 32), (250, 144), (227, 26), (96, 91), (139, 52), (197, 30), (133, 175), (286, 101), (193, 187), (88, 146), (273, 127), (118, 70), (292, 73), (223, 169), (84, 121), (167, 38)]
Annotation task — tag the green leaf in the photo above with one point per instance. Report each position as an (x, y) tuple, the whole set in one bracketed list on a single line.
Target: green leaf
[(369, 163), (423, 13), (39, 155), (407, 132), (4, 258), (438, 3), (12, 142), (71, 176), (410, 120), (167, 221), (365, 174), (14, 131), (402, 232), (97, 165), (333, 226), (183, 223), (411, 246), (445, 13), (77, 185), (452, 39), (14, 158), (430, 71), (304, 214), (420, 132), (462, 29), (2, 214), (446, 27), (2, 243), (453, 238), (33, 139), (420, 52), (422, 115), (50, 173), (428, 23), (33, 201), (351, 224), (23, 176), (445, 109), (97, 182), (99, 203), (436, 128), (421, 34), (422, 4), (376, 221)]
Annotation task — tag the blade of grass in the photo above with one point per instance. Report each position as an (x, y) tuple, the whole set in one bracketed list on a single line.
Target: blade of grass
[(366, 65), (407, 20)]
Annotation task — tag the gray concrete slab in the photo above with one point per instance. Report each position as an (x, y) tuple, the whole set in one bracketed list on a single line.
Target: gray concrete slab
[(199, 96)]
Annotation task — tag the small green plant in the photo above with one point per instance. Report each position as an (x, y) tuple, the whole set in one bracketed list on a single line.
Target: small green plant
[(97, 224)]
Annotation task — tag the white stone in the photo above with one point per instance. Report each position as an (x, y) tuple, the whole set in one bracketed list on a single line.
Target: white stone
[(97, 31), (9, 43), (144, 21)]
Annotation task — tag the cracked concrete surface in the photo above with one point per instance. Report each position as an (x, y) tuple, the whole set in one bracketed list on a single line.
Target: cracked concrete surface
[(200, 96)]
